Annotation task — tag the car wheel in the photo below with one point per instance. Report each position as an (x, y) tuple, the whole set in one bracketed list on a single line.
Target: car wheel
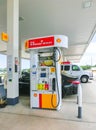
[(84, 79)]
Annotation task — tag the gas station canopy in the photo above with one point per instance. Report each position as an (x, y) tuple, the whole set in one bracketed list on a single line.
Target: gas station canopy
[(74, 18)]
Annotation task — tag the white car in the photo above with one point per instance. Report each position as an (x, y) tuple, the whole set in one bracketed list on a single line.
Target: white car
[(76, 70)]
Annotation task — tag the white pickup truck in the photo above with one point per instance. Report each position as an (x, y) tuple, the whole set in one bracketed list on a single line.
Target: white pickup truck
[(76, 70)]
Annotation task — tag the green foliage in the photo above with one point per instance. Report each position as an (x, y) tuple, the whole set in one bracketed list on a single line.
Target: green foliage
[(26, 70), (3, 69), (86, 67)]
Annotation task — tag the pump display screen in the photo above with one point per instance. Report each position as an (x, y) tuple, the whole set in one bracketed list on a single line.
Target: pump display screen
[(43, 75), (43, 69)]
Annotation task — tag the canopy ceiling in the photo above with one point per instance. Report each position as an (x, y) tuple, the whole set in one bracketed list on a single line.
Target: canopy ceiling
[(49, 17)]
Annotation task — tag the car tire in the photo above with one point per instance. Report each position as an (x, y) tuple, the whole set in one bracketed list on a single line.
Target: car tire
[(84, 79)]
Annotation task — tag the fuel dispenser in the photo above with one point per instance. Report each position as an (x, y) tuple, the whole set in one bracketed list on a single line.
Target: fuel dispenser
[(45, 73)]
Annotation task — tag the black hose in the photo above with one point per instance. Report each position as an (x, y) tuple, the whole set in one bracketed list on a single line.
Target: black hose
[(56, 60)]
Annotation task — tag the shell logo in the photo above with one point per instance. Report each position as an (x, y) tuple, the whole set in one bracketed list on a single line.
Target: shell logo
[(26, 44), (35, 94), (4, 37), (58, 40)]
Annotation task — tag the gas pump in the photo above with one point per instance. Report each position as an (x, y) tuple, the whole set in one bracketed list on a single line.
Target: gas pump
[(45, 73)]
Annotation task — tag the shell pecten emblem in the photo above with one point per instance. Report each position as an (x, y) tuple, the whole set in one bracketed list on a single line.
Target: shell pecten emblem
[(58, 40), (4, 37), (35, 95), (26, 45)]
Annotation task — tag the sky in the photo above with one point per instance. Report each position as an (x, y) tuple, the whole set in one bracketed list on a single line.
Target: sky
[(89, 57), (25, 64)]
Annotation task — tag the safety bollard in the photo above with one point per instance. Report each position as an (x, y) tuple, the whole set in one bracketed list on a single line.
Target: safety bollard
[(79, 98), (79, 101)]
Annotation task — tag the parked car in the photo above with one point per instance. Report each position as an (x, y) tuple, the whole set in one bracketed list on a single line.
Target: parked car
[(68, 88), (76, 70), (24, 84)]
